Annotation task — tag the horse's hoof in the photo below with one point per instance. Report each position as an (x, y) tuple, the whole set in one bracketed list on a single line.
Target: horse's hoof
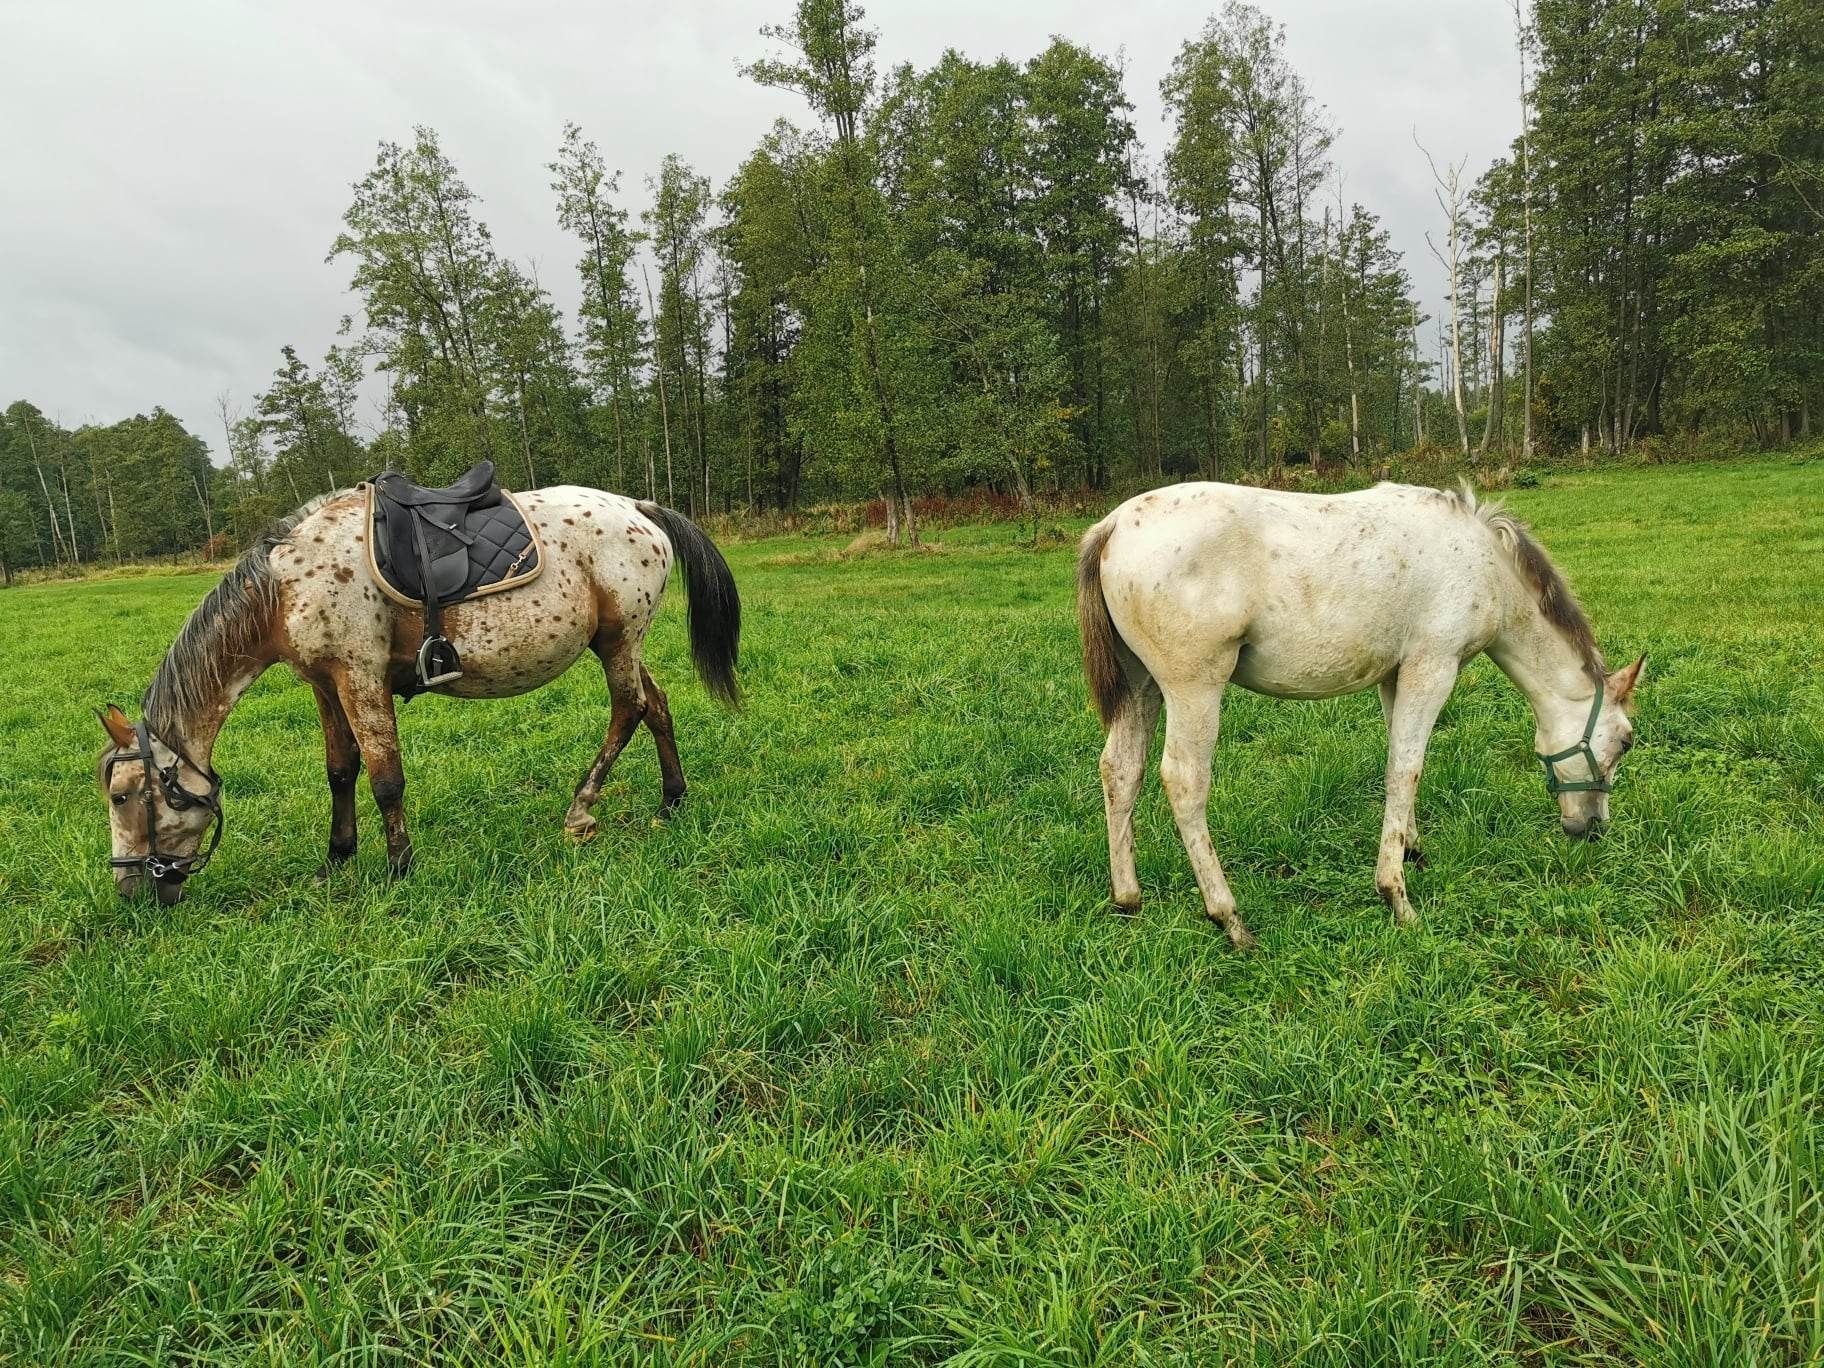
[(398, 866), (1241, 938), (581, 833)]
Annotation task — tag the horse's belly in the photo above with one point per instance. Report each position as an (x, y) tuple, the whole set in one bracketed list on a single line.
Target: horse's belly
[(1309, 662), (511, 644)]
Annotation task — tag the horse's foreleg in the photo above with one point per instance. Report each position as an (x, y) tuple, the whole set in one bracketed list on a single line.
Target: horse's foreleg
[(658, 722), (1423, 687), (1123, 768), (1389, 694), (369, 709), (623, 673), (1192, 719), (343, 758)]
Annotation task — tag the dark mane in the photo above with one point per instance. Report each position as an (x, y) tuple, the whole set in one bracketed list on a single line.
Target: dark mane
[(1552, 591), (229, 624)]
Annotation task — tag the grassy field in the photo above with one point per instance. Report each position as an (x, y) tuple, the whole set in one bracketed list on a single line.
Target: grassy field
[(851, 1062)]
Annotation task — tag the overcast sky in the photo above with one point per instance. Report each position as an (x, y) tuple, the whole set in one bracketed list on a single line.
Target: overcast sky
[(172, 172)]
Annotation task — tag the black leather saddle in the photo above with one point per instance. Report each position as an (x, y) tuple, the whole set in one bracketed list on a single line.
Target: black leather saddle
[(436, 547)]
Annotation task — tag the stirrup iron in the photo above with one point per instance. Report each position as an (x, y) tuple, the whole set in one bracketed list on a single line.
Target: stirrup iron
[(438, 662)]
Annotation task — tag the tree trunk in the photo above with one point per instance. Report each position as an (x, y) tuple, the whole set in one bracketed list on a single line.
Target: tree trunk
[(525, 439), (658, 361), (50, 507), (1526, 210), (1497, 358), (1456, 343), (202, 502)]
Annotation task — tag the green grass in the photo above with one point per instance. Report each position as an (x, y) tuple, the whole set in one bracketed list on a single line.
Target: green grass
[(851, 1063)]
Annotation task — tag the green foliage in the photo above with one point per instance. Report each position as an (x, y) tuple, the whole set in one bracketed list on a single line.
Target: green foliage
[(970, 277)]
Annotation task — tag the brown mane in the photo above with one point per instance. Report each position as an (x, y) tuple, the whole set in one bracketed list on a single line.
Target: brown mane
[(1557, 603), (228, 624)]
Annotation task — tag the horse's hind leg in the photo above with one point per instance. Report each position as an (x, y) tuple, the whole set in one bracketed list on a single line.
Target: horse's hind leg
[(343, 758), (1193, 717), (1123, 769), (658, 722), (622, 668)]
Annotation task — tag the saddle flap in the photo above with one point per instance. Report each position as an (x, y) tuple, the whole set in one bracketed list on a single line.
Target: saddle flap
[(476, 547)]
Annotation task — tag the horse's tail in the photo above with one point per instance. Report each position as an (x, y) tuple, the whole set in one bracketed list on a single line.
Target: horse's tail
[(715, 606), (1103, 648)]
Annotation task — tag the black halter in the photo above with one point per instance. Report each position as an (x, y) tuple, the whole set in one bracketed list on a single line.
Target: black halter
[(177, 797)]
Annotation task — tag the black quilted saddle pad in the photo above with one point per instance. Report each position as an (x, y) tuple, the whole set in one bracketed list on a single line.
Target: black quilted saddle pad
[(478, 541)]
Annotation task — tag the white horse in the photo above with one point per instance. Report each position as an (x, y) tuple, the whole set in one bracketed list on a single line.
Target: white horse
[(1184, 589)]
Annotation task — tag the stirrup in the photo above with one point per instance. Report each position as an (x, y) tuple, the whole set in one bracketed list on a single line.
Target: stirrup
[(438, 662)]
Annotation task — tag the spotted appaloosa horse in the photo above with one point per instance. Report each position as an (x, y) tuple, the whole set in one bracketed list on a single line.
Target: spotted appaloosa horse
[(304, 595), (1184, 589)]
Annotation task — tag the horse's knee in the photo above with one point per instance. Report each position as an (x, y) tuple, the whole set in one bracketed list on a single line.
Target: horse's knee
[(389, 789), (342, 777)]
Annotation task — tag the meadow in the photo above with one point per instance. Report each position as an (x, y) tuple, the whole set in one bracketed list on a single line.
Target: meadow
[(851, 1062)]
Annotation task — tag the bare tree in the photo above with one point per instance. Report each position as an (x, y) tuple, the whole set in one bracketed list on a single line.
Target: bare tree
[(658, 359), (1526, 209), (1355, 397), (1449, 194)]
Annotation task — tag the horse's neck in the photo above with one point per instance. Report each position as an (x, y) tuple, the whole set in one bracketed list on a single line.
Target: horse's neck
[(1543, 664), (196, 732)]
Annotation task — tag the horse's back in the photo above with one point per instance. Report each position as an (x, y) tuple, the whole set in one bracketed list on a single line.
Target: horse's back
[(1299, 595)]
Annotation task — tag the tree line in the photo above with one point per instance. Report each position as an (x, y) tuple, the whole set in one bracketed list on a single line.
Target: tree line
[(974, 274)]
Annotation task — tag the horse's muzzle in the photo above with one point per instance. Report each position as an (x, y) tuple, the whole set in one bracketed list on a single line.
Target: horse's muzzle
[(1590, 829), (168, 889)]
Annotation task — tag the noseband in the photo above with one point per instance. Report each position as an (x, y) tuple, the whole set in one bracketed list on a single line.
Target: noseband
[(177, 797), (1597, 783)]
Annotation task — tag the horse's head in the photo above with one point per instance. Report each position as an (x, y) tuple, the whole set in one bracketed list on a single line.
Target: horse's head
[(161, 808), (1581, 767)]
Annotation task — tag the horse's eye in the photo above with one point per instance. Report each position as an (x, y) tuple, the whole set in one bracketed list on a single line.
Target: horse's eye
[(118, 798)]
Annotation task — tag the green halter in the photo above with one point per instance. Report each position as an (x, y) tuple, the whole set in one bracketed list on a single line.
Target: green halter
[(1597, 783)]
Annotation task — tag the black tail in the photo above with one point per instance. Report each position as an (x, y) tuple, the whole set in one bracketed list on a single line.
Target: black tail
[(715, 606)]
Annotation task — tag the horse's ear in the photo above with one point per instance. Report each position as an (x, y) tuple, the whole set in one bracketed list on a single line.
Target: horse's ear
[(114, 722), (1623, 682)]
